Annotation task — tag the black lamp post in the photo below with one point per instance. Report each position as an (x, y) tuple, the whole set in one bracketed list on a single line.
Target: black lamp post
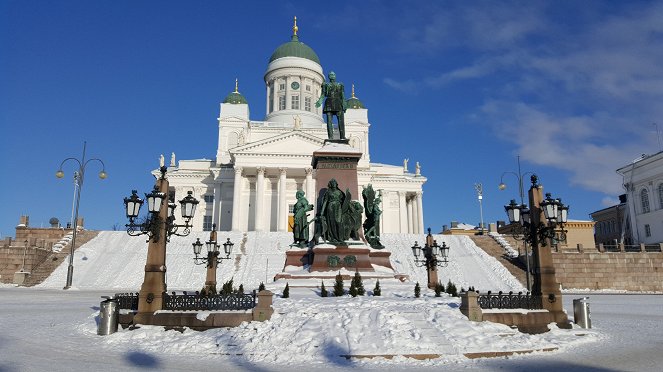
[(213, 258), (152, 226), (82, 165), (158, 226), (545, 221), (431, 255), (521, 192)]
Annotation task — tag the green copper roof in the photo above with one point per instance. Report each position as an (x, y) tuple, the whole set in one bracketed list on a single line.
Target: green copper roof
[(235, 98), (355, 103), (295, 48)]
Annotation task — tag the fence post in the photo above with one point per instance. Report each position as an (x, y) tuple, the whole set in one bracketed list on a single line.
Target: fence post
[(642, 247), (580, 248), (469, 306), (264, 310), (601, 248)]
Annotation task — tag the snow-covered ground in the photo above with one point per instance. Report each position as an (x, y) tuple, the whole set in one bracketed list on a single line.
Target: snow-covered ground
[(46, 328), (55, 330), (114, 260)]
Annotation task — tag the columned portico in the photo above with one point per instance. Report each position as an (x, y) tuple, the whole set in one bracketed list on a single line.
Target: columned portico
[(260, 199)]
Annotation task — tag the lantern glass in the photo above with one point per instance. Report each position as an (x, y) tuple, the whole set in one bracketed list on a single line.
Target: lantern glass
[(154, 200), (526, 216), (416, 250), (132, 204), (444, 250), (435, 249), (197, 247), (188, 206), (563, 214), (513, 211), (211, 246), (228, 247), (171, 209)]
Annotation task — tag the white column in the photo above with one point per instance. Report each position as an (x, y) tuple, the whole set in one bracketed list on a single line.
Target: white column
[(402, 213), (260, 199), (410, 219), (420, 211), (287, 93), (310, 195), (237, 195), (282, 210), (267, 100), (275, 96), (415, 215), (216, 207)]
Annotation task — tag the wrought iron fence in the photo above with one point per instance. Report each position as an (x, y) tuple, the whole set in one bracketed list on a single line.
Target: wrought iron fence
[(510, 301), (193, 301), (215, 302), (127, 301), (652, 248)]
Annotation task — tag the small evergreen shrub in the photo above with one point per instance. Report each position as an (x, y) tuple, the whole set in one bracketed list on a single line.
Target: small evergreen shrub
[(417, 290), (240, 290), (451, 289), (353, 288), (286, 291), (323, 290), (377, 291), (439, 289), (227, 287), (261, 287), (359, 284), (338, 286)]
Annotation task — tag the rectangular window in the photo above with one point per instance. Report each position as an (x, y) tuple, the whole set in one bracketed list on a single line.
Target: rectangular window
[(647, 231), (308, 88), (282, 103), (295, 103), (291, 208), (208, 198), (207, 223), (307, 103), (282, 86)]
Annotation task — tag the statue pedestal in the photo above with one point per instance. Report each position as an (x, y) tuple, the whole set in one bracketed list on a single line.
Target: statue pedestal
[(339, 161), (332, 258)]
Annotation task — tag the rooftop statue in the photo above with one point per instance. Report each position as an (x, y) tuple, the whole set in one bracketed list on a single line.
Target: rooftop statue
[(334, 95)]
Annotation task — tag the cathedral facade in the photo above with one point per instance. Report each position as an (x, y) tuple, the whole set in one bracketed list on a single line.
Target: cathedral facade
[(260, 165)]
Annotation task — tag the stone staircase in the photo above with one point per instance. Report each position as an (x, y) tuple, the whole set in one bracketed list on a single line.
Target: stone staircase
[(490, 246), (55, 259)]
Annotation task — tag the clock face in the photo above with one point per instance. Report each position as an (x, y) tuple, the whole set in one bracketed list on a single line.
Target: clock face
[(294, 85)]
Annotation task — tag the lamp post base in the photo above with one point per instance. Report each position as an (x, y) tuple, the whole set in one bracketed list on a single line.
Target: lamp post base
[(70, 275)]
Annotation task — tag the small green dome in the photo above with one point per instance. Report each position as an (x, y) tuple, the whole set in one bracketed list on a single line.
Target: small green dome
[(355, 103), (294, 48), (235, 98)]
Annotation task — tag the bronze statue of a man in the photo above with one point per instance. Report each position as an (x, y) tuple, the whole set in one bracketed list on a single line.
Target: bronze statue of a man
[(300, 229), (334, 105)]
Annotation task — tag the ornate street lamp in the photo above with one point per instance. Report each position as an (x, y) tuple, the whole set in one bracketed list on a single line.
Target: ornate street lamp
[(152, 225), (521, 192), (213, 258), (544, 222), (79, 178), (159, 226), (431, 255)]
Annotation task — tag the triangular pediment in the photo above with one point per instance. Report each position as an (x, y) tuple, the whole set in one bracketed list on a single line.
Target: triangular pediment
[(294, 143)]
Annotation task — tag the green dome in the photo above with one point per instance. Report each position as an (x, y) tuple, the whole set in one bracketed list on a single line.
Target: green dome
[(355, 103), (294, 48), (235, 98)]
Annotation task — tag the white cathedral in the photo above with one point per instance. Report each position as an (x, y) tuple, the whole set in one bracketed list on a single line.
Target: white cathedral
[(260, 165)]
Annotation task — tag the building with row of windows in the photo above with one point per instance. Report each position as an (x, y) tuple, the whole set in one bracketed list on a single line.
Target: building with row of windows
[(643, 182), (260, 165)]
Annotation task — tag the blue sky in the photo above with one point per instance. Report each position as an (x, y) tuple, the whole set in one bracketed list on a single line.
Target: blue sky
[(461, 87)]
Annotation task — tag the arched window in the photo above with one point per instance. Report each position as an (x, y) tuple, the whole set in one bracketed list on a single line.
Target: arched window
[(233, 140), (644, 200), (660, 195)]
